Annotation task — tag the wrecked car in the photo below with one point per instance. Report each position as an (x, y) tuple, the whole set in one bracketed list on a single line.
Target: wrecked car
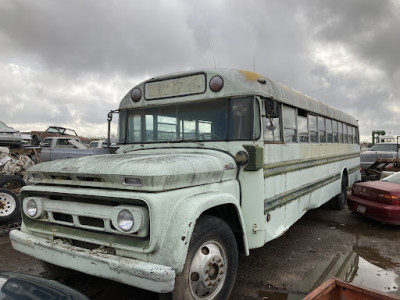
[(54, 148), (385, 150), (378, 200), (9, 136), (39, 136)]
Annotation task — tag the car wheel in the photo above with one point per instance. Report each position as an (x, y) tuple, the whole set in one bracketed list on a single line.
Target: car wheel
[(339, 201), (12, 182), (9, 206), (211, 263)]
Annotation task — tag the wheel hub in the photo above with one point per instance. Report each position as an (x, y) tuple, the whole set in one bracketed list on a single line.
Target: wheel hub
[(7, 204), (207, 271)]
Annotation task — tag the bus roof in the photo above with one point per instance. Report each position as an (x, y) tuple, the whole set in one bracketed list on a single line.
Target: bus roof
[(235, 83)]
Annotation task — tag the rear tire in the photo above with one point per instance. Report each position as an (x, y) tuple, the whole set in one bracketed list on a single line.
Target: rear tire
[(211, 263), (9, 206), (339, 201)]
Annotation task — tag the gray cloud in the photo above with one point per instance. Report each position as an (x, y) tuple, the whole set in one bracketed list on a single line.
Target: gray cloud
[(70, 62)]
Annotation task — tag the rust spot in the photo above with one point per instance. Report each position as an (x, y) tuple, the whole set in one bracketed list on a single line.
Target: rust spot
[(183, 238), (190, 224), (251, 76)]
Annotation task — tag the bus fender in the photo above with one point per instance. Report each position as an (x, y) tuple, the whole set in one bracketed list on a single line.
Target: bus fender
[(183, 221)]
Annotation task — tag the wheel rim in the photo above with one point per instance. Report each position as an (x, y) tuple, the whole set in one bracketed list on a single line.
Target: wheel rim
[(207, 271), (7, 204)]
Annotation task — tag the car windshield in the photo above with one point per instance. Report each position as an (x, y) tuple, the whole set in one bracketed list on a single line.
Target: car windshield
[(384, 147), (221, 120), (394, 178), (55, 130), (3, 126)]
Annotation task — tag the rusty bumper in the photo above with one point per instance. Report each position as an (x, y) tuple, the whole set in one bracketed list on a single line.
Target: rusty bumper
[(148, 276)]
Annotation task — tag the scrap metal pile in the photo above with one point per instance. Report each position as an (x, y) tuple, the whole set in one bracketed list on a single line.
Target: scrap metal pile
[(383, 164), (14, 164)]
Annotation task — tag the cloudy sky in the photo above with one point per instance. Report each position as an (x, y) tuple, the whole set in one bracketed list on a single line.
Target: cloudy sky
[(69, 63)]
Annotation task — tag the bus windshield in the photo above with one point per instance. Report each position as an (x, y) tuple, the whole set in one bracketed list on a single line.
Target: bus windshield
[(216, 120)]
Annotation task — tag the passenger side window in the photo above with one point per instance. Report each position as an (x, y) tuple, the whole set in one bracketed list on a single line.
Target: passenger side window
[(329, 132), (272, 127), (313, 128), (335, 131), (289, 124), (340, 130), (302, 125), (345, 140), (46, 143), (321, 129)]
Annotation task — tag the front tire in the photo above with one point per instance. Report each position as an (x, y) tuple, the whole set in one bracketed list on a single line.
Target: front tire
[(9, 206), (211, 263)]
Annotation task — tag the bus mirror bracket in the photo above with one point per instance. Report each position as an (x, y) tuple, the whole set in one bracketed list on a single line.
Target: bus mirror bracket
[(271, 108), (109, 119)]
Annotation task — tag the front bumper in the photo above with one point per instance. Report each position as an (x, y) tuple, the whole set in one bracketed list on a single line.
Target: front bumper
[(148, 276)]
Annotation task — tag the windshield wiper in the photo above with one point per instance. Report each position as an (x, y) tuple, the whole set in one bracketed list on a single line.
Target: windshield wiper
[(129, 148), (187, 140)]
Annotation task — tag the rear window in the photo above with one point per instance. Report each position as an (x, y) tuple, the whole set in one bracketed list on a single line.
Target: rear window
[(395, 178), (384, 147)]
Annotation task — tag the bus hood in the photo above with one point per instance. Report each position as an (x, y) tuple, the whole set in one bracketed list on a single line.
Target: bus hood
[(144, 170)]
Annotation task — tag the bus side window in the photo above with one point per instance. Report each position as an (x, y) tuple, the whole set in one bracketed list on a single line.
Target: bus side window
[(289, 124), (312, 119), (271, 126), (302, 125)]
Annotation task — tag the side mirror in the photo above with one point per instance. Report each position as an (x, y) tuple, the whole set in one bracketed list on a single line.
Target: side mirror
[(271, 108)]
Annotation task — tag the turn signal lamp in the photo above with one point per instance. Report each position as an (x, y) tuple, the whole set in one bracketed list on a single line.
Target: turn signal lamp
[(390, 199)]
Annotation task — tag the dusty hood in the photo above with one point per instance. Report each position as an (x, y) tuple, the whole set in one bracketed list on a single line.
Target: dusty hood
[(147, 170)]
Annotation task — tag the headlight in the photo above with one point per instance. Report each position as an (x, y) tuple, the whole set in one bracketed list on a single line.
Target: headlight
[(125, 220), (131, 220), (31, 208)]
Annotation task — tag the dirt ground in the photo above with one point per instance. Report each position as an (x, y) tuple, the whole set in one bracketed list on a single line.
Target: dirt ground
[(286, 268)]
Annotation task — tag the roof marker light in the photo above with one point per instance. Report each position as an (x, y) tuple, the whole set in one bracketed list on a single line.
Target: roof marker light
[(216, 83), (136, 94)]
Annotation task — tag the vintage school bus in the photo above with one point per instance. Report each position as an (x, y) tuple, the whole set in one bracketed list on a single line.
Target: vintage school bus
[(210, 163)]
